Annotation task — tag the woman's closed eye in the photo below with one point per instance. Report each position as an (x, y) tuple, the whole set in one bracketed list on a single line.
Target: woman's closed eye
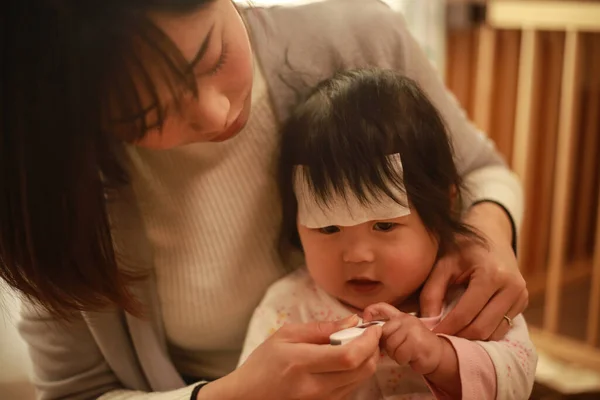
[(329, 230), (221, 60), (384, 226), (210, 59)]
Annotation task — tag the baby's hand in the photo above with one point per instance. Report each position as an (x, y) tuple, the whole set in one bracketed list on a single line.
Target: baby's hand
[(406, 339)]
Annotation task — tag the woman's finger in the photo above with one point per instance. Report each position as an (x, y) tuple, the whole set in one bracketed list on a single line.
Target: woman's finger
[(321, 359), (516, 309), (492, 316), (342, 383), (474, 299), (434, 291), (314, 332)]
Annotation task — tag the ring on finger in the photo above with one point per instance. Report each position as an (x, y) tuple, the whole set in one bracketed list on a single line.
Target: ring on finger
[(508, 319)]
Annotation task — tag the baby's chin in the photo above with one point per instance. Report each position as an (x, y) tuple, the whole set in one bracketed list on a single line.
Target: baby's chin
[(352, 308), (406, 304)]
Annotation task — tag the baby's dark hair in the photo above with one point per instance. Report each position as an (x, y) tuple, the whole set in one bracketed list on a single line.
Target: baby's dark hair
[(343, 134)]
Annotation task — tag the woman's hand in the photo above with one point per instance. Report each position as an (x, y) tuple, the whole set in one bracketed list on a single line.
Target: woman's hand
[(495, 288), (297, 362)]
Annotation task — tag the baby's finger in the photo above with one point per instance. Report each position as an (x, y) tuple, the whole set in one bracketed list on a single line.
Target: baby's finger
[(395, 344), (390, 328), (380, 310)]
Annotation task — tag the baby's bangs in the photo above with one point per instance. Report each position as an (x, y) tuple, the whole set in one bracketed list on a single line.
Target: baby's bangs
[(370, 182)]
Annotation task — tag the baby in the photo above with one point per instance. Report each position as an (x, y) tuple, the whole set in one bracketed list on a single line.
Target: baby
[(372, 197)]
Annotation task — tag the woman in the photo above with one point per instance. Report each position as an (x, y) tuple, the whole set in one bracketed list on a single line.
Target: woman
[(131, 206)]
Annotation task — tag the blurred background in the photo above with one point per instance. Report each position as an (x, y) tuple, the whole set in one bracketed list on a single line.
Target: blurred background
[(527, 73)]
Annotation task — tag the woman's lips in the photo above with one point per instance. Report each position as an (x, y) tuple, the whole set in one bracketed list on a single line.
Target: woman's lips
[(364, 286), (232, 130)]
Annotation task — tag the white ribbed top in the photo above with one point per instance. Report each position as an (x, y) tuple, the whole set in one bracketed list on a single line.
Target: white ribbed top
[(213, 215)]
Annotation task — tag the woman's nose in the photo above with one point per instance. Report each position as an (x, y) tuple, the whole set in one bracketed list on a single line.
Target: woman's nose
[(211, 110)]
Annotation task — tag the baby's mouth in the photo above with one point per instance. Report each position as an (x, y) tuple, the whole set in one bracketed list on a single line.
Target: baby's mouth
[(364, 285)]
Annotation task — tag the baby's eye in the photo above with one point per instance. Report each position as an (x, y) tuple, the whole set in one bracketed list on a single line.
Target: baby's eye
[(329, 230), (384, 226)]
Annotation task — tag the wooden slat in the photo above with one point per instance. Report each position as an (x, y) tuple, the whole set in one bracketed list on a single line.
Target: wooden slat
[(563, 179), (593, 130), (484, 80), (590, 131), (459, 66), (540, 208), (594, 304), (527, 98), (506, 76), (544, 15)]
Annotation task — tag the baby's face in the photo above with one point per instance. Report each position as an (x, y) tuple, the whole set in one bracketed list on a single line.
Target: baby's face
[(377, 261)]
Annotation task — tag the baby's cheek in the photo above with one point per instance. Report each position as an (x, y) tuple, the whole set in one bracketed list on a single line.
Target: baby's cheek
[(322, 269), (414, 264)]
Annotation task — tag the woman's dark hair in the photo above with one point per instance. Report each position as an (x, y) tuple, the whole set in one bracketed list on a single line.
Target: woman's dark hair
[(344, 132), (75, 76)]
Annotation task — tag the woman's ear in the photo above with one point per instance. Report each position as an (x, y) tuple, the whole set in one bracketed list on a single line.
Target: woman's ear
[(454, 196)]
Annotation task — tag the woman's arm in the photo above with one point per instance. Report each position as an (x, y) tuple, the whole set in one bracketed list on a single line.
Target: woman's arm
[(291, 364), (67, 363)]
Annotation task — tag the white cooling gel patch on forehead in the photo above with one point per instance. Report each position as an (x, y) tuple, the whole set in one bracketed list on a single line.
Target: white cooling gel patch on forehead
[(348, 211)]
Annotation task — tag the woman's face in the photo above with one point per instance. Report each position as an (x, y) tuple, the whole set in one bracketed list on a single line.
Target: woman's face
[(215, 42)]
